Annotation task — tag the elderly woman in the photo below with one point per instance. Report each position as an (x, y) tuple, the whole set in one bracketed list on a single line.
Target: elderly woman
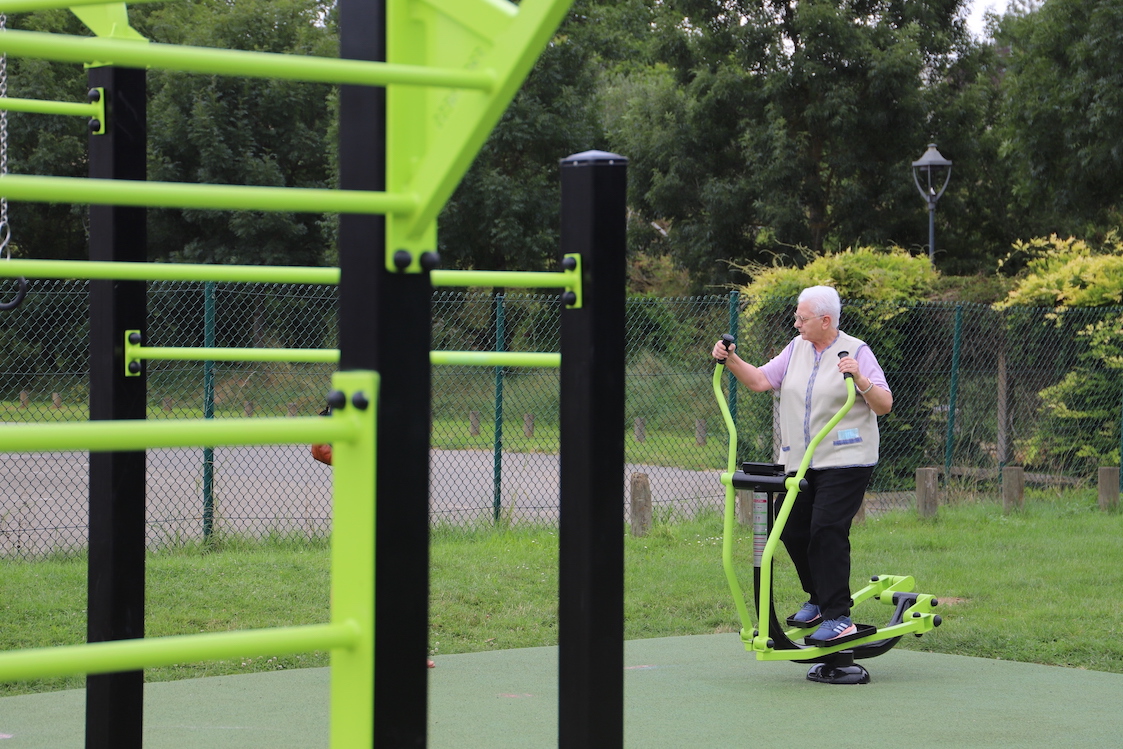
[(817, 534)]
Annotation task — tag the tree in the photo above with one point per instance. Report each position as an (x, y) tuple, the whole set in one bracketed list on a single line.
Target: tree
[(504, 213), (241, 131), (778, 124), (1064, 113), (47, 144), (1080, 284)]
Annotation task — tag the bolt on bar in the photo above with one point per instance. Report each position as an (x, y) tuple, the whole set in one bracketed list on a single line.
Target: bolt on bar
[(131, 655), (123, 271), (241, 63), (123, 435), (201, 196)]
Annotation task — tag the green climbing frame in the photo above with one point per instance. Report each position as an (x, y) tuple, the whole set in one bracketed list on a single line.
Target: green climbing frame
[(453, 67)]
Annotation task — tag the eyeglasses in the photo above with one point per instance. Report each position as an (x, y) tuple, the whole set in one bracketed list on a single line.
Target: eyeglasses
[(800, 319)]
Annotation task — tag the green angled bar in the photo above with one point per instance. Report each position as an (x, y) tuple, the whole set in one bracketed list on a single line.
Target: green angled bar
[(232, 62), (203, 196), (95, 270), (177, 353), (46, 106), (494, 359), (131, 655), (110, 436), (507, 278)]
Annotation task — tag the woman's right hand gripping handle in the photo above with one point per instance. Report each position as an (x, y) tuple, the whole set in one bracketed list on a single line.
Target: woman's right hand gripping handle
[(723, 348)]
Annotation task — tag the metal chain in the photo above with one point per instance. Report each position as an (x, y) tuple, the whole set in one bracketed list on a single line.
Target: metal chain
[(5, 227)]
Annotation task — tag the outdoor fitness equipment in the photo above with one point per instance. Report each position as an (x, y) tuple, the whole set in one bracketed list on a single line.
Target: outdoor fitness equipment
[(449, 69), (833, 663)]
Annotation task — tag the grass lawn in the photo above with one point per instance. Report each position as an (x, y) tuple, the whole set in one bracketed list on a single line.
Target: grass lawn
[(1041, 585)]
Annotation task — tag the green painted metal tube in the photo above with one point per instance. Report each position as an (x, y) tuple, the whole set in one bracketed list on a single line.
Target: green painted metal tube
[(201, 196), (93, 269), (353, 547), (44, 106), (112, 436), (177, 353), (331, 356), (495, 359), (730, 515), (131, 655), (214, 61), (503, 278), (27, 6)]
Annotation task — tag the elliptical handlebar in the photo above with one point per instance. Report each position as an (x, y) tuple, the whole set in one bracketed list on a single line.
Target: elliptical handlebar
[(727, 341)]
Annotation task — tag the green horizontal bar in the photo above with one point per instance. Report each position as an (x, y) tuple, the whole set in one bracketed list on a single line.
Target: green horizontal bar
[(121, 271), (507, 278), (27, 6), (494, 359), (204, 196), (214, 61), (133, 655), (135, 435), (331, 356), (173, 353), (46, 106)]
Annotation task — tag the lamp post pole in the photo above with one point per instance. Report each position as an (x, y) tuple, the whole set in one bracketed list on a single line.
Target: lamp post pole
[(930, 162)]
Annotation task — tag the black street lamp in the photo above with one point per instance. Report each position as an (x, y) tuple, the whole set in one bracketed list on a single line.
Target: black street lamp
[(931, 161)]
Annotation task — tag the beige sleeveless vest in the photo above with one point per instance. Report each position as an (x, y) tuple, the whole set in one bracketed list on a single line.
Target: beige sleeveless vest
[(811, 393)]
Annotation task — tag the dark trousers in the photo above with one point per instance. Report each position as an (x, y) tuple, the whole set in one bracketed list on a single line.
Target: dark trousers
[(817, 535)]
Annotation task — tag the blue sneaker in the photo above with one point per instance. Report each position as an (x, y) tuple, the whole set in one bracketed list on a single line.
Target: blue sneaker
[(807, 616), (834, 629)]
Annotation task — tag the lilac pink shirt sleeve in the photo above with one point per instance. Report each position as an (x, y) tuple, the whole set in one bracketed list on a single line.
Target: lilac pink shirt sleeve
[(775, 369)]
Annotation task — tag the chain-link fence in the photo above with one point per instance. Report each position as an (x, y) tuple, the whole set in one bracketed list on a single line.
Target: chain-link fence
[(974, 389)]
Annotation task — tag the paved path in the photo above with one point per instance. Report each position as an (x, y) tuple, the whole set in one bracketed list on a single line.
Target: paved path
[(280, 489)]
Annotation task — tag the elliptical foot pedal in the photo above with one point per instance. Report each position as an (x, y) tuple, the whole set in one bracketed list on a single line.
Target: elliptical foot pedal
[(861, 630), (826, 673), (791, 622)]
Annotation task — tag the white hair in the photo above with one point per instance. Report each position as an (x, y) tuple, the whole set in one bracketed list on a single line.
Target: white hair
[(824, 301)]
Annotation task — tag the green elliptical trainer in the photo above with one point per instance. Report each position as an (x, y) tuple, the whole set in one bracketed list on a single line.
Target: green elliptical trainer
[(834, 663)]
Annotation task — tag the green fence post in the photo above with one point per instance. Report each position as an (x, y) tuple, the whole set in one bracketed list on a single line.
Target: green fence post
[(734, 308), (497, 447), (956, 342), (208, 409)]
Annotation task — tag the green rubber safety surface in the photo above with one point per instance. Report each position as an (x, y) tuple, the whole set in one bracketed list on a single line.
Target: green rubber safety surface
[(701, 691)]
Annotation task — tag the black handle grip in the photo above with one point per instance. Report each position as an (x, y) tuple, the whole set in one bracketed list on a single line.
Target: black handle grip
[(727, 341), (843, 355)]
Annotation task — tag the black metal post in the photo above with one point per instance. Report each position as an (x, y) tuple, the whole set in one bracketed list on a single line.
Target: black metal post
[(591, 605), (384, 325), (932, 229), (115, 702)]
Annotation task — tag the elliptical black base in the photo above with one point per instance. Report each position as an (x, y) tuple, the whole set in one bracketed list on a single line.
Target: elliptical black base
[(840, 669)]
